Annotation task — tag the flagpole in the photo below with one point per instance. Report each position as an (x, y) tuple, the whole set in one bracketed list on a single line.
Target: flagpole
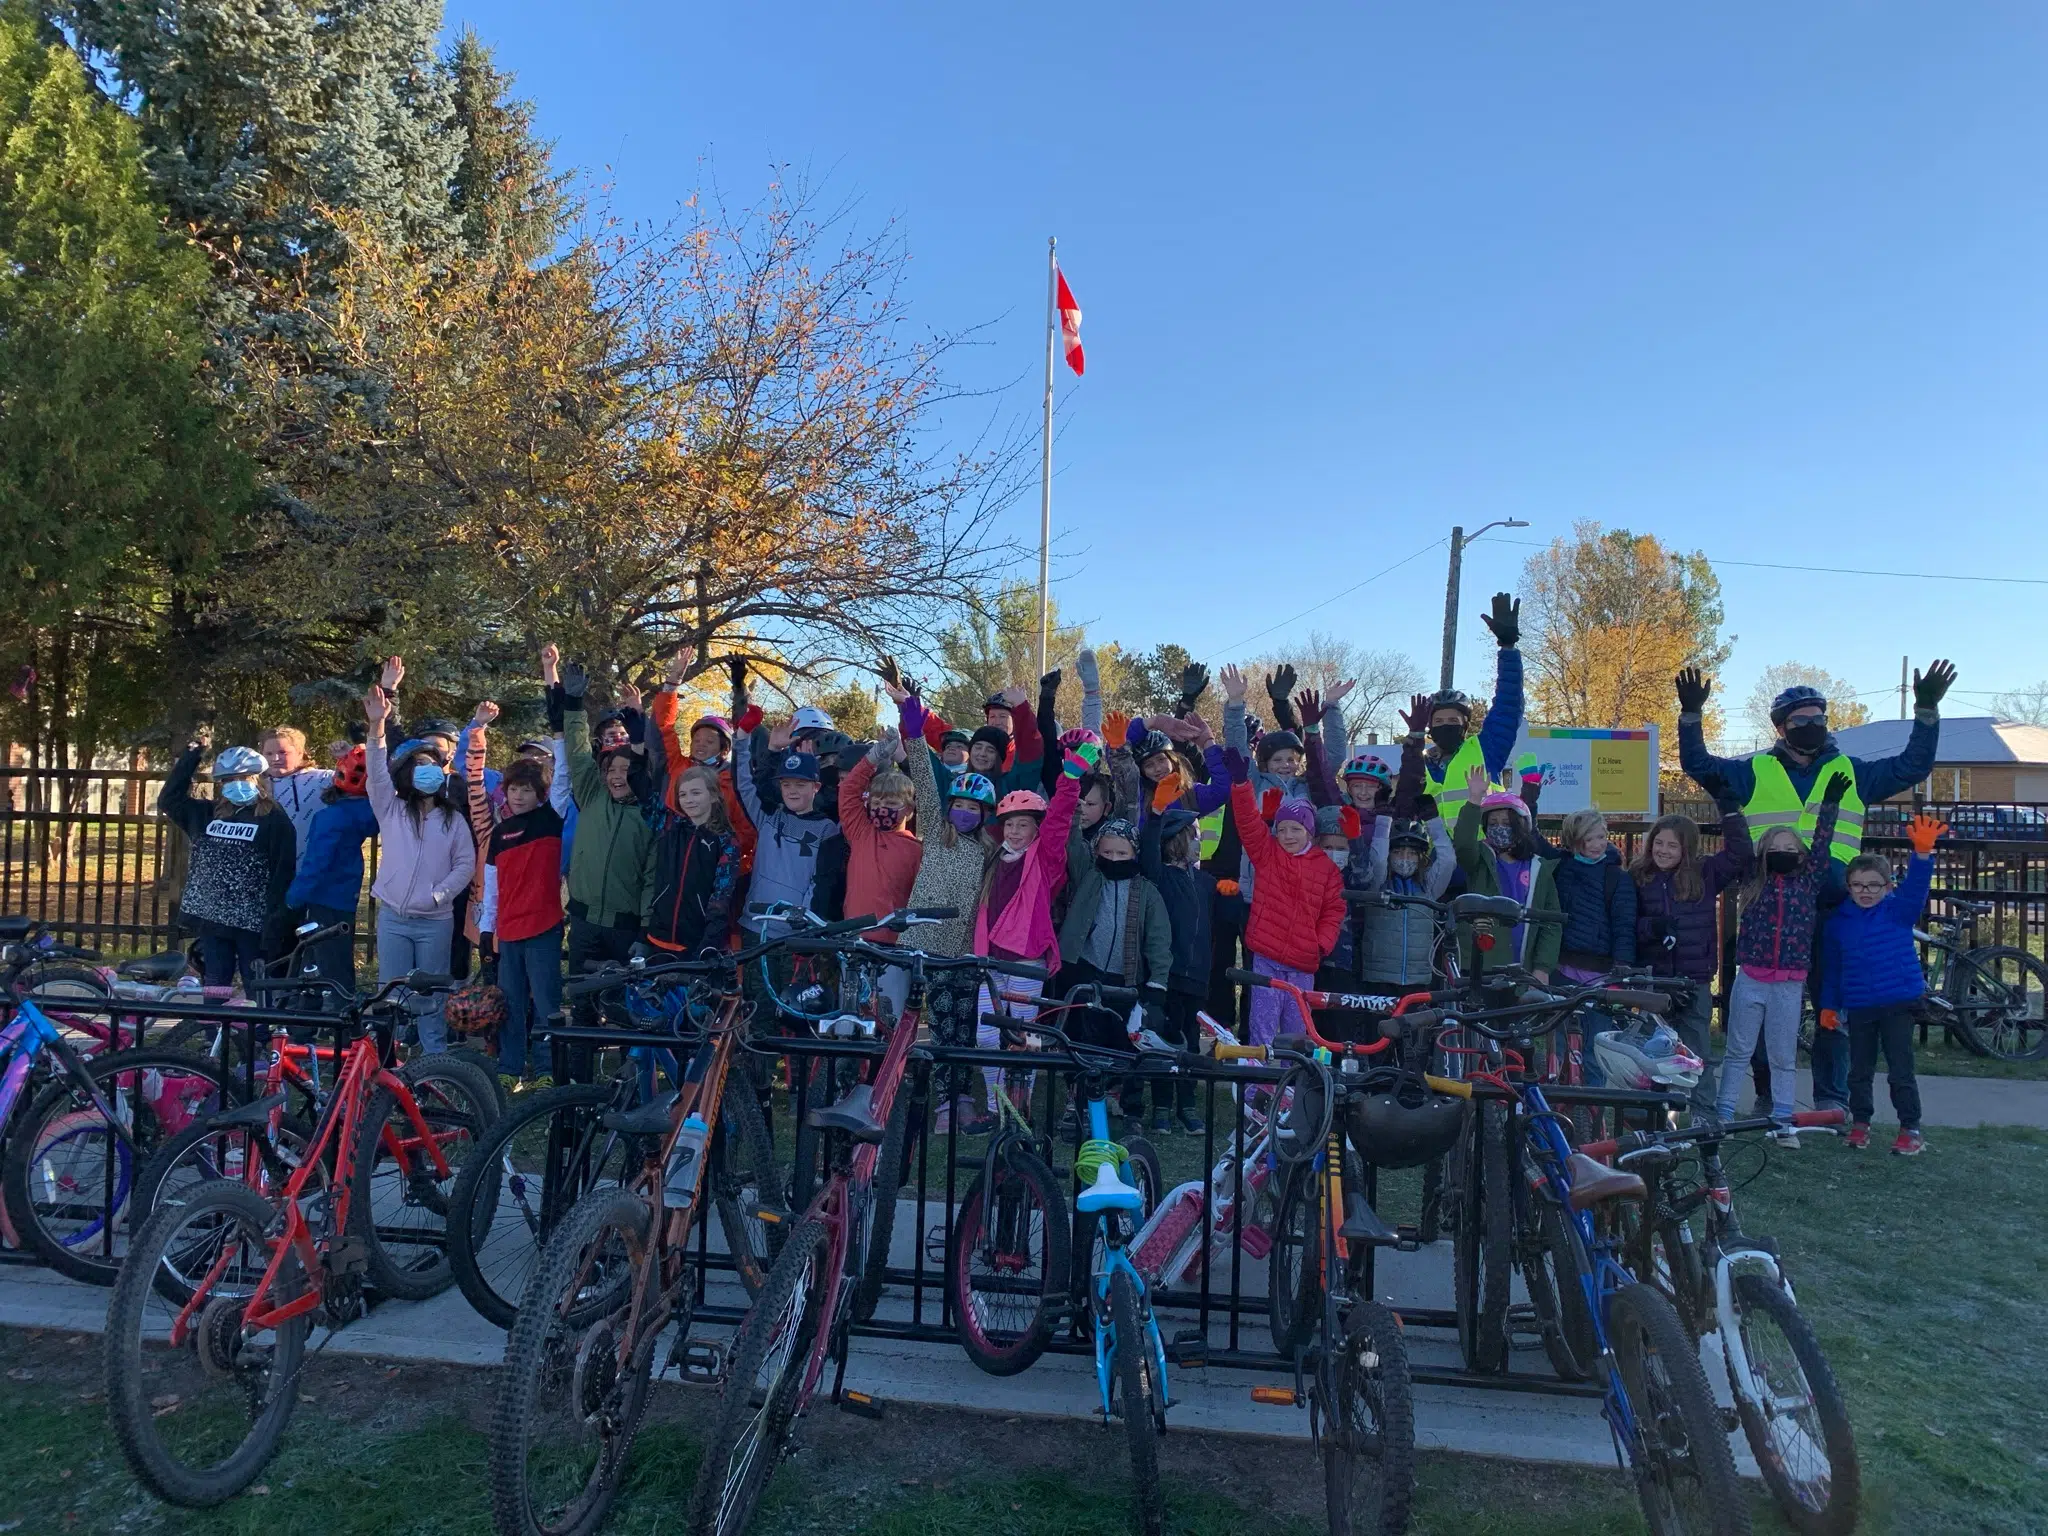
[(1052, 327)]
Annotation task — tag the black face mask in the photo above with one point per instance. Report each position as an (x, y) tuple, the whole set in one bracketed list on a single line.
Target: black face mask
[(1807, 737), (1783, 861), (1448, 738), (1117, 869)]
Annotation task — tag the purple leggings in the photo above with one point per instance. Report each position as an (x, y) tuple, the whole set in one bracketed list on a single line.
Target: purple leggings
[(1273, 1012)]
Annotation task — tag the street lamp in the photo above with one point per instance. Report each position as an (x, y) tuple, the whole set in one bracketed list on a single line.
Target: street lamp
[(1458, 543)]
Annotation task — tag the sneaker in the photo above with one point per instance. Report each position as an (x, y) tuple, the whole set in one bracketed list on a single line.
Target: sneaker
[(977, 1124), (1858, 1138), (1191, 1122), (1785, 1136), (1909, 1144), (1161, 1122)]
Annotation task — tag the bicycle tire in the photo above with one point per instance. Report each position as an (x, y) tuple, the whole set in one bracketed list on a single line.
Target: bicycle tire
[(476, 1202), (1551, 1274), (487, 1064), (1833, 1511), (1294, 1284), (1024, 1186), (1683, 1436), (778, 1337), (1990, 1027), (254, 1142), (67, 1252), (1140, 1397), (50, 982), (1664, 1259), (412, 1263), (881, 1216), (545, 1335), (136, 1377), (1481, 1251), (1372, 1374)]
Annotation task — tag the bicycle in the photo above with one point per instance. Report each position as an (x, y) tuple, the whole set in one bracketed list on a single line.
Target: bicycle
[(34, 963), (207, 1325), (554, 1147), (799, 1322), (1351, 1364), (1731, 1288), (1667, 1431), (1992, 996)]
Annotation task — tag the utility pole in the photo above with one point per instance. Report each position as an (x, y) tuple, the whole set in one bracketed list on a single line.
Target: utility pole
[(1458, 543), (1904, 661)]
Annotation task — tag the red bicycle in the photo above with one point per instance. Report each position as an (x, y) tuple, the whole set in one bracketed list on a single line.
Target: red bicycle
[(207, 1328)]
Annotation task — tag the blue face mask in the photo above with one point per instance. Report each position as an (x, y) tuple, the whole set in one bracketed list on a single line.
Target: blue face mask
[(428, 778), (1583, 859), (238, 791)]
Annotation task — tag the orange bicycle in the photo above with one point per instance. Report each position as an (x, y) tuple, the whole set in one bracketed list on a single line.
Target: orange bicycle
[(207, 1328)]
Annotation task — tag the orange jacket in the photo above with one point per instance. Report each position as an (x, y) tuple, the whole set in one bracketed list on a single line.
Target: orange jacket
[(677, 756)]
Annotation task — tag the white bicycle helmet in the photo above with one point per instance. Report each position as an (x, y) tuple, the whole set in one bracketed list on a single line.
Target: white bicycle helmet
[(810, 718), (1649, 1063), (238, 762)]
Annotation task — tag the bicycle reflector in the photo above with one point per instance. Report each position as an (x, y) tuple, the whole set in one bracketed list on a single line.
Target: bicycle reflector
[(1276, 1397), (1483, 940)]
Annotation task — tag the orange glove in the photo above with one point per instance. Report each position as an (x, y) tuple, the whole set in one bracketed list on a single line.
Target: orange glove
[(1116, 726), (1166, 792), (1829, 1019), (1227, 887), (1924, 830)]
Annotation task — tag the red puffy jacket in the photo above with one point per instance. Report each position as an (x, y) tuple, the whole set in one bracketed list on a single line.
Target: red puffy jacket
[(1297, 899)]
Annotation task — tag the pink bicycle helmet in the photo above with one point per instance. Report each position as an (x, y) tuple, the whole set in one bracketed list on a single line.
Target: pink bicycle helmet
[(1504, 800), (1021, 802), (1078, 735)]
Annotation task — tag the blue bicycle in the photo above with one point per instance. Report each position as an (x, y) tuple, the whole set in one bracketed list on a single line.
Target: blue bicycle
[(1668, 1433)]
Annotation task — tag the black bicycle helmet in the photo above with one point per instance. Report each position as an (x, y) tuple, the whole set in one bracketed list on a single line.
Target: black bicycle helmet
[(1450, 698), (1155, 743), (1407, 1128)]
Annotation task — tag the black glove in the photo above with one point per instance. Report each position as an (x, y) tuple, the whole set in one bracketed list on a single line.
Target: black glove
[(1838, 785), (887, 670), (1506, 619), (736, 669), (1692, 691), (1194, 682), (1280, 684), (1425, 808), (575, 683), (1050, 683), (557, 708), (1928, 688)]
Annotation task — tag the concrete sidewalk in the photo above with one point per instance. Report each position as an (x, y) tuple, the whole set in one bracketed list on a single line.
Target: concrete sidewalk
[(1953, 1101)]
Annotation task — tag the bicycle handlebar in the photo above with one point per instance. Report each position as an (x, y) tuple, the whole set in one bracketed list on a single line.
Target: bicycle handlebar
[(1643, 1141)]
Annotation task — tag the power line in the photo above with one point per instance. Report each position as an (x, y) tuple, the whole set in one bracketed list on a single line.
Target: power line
[(1840, 570), (1235, 648)]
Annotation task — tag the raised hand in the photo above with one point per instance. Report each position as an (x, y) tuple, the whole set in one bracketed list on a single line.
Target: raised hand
[(1339, 692), (888, 742), (1476, 785), (1172, 727), (1416, 715), (1232, 679), (1506, 619), (1204, 737), (376, 710), (1088, 671), (1279, 684), (1015, 696), (1081, 761), (1194, 682), (891, 675), (202, 734), (1929, 688), (551, 664), (779, 734), (575, 683), (1838, 785), (629, 697), (1116, 727), (1310, 705), (678, 668), (1925, 831), (486, 712), (1692, 691), (1166, 792), (393, 674)]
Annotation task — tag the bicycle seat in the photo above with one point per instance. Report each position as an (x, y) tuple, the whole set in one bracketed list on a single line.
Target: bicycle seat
[(1362, 1224), (1503, 909), (168, 966), (649, 1119), (13, 928), (1108, 1193), (854, 1114), (255, 1113), (1594, 1182)]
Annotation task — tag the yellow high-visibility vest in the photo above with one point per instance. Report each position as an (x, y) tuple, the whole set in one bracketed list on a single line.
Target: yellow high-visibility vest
[(1450, 794), (1775, 803)]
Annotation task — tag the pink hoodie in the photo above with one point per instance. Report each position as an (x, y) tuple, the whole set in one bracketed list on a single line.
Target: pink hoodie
[(1025, 928)]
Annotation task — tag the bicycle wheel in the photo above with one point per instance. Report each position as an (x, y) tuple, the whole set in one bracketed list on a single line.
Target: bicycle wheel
[(200, 1155), (1550, 1271), (504, 1206), (2000, 993), (1294, 1284), (399, 1202), (1007, 1262), (51, 982), (1135, 1395), (1369, 1430), (881, 1207), (69, 1177), (771, 1355), (198, 1421), (1481, 1248), (1800, 1435), (1689, 1485), (567, 1409)]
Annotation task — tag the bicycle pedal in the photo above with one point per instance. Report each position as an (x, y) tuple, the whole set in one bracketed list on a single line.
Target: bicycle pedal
[(700, 1362), (937, 1243), (861, 1404), (1190, 1349), (1407, 1239)]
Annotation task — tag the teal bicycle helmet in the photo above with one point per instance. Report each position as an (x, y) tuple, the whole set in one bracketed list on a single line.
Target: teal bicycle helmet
[(975, 787), (1366, 765)]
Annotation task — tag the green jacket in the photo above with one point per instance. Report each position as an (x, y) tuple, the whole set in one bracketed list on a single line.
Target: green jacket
[(1540, 941), (1148, 934), (611, 867)]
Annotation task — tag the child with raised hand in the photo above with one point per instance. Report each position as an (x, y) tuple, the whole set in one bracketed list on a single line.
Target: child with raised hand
[(1773, 952), (244, 854), (1397, 943), (1495, 841), (521, 911), (1871, 982), (882, 853), (792, 823), (1297, 905)]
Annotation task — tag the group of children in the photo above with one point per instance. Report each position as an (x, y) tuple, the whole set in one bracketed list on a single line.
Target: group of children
[(1137, 852)]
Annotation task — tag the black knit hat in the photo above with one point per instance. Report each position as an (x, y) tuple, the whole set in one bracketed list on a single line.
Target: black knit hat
[(995, 736)]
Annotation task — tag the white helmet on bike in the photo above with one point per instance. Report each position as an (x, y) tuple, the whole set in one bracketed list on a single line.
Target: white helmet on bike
[(1653, 1062)]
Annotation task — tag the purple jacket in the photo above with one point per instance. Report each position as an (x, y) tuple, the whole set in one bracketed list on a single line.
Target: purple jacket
[(1679, 938), (1777, 931)]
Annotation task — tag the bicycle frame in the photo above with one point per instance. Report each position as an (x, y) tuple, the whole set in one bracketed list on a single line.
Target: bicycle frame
[(1116, 1258)]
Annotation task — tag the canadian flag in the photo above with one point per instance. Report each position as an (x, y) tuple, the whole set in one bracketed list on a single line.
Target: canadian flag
[(1070, 325)]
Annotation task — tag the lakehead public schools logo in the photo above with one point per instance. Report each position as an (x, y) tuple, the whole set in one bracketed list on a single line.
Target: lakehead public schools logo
[(233, 831)]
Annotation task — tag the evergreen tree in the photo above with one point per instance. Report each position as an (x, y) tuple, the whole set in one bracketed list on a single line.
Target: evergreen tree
[(509, 199)]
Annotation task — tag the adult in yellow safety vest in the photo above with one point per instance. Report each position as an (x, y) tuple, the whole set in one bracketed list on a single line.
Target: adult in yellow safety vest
[(1454, 751)]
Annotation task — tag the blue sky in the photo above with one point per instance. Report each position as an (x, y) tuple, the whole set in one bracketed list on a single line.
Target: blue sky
[(1763, 280)]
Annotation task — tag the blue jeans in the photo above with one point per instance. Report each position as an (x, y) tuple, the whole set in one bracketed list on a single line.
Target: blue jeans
[(406, 944), (1830, 1069), (530, 972)]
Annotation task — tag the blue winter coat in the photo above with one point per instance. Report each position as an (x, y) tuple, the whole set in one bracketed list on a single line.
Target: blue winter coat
[(330, 870), (1599, 902), (1869, 957)]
